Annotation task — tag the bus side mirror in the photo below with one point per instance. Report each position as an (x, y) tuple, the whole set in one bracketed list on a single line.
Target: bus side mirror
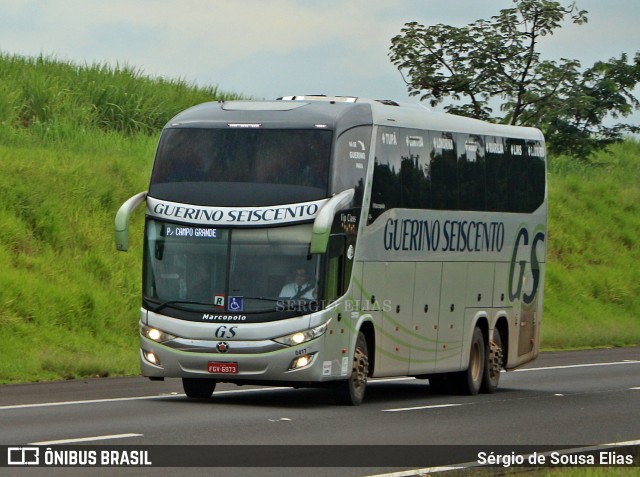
[(324, 220), (122, 220)]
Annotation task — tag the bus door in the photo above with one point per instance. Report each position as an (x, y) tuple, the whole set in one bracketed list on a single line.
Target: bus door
[(388, 296), (451, 319)]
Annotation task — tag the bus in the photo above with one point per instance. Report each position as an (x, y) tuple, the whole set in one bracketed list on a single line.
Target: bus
[(324, 241)]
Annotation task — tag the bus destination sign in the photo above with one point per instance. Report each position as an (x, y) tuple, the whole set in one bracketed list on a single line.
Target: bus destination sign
[(180, 231)]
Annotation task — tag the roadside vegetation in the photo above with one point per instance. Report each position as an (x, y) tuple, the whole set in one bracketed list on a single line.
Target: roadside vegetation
[(593, 277), (76, 141)]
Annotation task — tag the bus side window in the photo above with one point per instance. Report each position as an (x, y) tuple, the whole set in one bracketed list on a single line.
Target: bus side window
[(334, 278), (444, 171), (386, 187)]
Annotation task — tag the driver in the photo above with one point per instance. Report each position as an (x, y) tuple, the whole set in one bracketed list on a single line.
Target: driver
[(301, 288)]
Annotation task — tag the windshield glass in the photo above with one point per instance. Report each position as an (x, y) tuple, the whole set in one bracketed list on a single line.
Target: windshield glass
[(228, 270), (258, 156)]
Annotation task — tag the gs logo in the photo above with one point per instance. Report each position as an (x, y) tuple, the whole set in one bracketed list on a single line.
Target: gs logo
[(522, 240), (225, 331)]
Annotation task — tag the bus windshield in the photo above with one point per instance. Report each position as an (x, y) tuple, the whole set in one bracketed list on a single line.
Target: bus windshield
[(282, 165), (208, 269)]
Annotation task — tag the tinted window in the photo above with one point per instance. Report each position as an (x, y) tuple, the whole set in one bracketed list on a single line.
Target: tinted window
[(416, 182), (267, 156), (386, 189), (444, 171), (498, 165), (351, 160), (471, 172), (438, 170)]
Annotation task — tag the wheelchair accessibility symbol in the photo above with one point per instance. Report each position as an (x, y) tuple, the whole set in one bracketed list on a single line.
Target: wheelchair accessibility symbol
[(236, 303)]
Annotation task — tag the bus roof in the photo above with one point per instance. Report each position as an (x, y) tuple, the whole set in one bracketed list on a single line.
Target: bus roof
[(339, 113)]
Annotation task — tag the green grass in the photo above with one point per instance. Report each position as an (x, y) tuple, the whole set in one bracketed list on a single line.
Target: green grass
[(593, 277), (67, 300), (76, 141), (62, 100)]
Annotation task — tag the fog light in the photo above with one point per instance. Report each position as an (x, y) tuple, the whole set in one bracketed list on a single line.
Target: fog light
[(301, 361), (151, 357)]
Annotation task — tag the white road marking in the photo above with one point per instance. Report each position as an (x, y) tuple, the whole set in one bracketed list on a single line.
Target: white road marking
[(388, 380), (90, 401), (434, 406), (136, 398), (253, 390), (575, 366), (426, 471), (161, 396), (84, 439)]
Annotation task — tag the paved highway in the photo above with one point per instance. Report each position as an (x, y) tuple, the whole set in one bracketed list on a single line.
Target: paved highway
[(570, 399)]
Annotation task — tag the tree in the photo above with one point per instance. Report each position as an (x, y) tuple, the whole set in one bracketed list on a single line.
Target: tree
[(497, 59)]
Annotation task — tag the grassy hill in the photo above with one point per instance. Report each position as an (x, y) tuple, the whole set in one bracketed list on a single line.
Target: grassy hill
[(593, 272), (75, 142)]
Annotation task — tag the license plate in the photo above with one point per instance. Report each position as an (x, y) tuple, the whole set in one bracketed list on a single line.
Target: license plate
[(223, 368)]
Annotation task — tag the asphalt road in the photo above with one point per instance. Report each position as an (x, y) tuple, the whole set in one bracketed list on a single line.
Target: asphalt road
[(569, 399)]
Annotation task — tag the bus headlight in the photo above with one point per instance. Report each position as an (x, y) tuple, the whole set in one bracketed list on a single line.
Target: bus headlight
[(303, 336), (155, 334)]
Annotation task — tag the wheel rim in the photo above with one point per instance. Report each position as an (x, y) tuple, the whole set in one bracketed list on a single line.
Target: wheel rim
[(360, 369), (495, 359)]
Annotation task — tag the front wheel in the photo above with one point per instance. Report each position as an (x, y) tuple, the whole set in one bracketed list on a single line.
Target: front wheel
[(351, 391), (198, 388)]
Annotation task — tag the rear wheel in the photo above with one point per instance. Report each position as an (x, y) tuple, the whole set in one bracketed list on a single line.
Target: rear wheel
[(351, 391), (494, 364), (198, 388), (470, 381)]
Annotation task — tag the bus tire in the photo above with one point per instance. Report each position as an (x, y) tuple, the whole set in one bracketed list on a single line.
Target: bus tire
[(470, 381), (494, 364), (198, 388), (350, 392)]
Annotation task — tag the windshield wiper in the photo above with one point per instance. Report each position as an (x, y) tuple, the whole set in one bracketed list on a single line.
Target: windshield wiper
[(300, 304), (263, 298), (179, 302)]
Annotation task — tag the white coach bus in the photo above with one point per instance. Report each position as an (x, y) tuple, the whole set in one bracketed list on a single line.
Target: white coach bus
[(316, 240)]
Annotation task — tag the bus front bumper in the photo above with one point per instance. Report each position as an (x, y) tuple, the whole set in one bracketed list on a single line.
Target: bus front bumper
[(264, 361)]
